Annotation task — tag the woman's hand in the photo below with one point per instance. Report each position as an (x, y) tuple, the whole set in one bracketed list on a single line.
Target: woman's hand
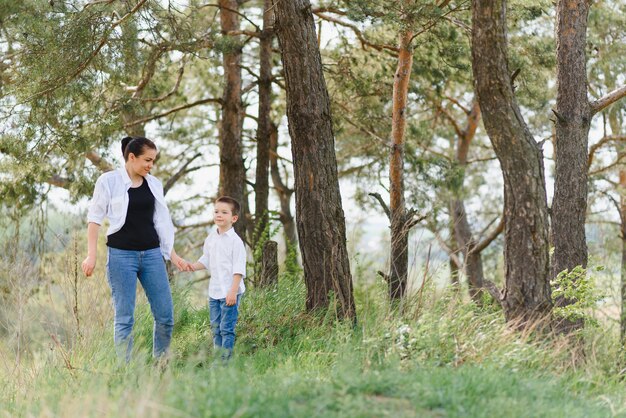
[(180, 263), (89, 264), (92, 248)]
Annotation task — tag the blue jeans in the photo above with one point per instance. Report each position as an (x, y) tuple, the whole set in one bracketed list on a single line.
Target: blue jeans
[(123, 269), (223, 321)]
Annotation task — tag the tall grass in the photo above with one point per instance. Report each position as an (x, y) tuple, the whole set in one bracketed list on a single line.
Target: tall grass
[(436, 355)]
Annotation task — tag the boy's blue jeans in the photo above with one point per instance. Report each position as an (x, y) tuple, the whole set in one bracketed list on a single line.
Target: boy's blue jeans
[(223, 322), (124, 267)]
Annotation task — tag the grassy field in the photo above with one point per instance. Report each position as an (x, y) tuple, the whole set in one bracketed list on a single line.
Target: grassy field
[(443, 358)]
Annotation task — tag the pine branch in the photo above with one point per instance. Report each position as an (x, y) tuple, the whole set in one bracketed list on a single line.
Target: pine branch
[(476, 249), (447, 248), (98, 161), (364, 42), (237, 12), (94, 54), (459, 104), (363, 129), (453, 122), (411, 220), (249, 33), (181, 172), (608, 167), (58, 181), (93, 3), (615, 203), (605, 140), (173, 110), (378, 197), (607, 100)]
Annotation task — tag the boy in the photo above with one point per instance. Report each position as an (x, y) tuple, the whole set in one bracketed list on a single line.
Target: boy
[(224, 256)]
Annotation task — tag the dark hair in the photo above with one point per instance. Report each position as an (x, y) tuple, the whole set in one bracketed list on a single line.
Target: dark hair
[(136, 145), (235, 207)]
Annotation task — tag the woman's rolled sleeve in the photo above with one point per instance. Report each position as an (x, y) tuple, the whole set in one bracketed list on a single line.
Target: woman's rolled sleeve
[(165, 231), (162, 219), (99, 203)]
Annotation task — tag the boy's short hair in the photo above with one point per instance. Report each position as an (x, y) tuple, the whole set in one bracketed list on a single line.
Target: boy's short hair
[(235, 207)]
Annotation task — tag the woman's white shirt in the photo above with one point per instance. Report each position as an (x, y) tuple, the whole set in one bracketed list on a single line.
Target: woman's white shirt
[(110, 200)]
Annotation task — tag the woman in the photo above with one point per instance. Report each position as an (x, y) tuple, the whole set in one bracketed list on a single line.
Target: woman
[(140, 235)]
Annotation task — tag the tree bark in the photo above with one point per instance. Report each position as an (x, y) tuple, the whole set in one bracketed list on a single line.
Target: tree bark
[(573, 120), (319, 214), (269, 264), (261, 183), (398, 272), (526, 296), (232, 171)]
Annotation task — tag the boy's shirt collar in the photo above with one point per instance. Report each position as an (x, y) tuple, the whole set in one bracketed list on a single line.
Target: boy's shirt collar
[(229, 233)]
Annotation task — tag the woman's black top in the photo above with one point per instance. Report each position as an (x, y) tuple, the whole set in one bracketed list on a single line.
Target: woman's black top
[(138, 232)]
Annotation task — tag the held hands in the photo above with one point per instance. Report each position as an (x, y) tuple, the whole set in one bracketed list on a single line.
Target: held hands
[(181, 263), (89, 264)]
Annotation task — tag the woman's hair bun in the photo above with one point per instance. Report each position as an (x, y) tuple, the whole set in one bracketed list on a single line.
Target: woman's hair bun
[(135, 145), (125, 141)]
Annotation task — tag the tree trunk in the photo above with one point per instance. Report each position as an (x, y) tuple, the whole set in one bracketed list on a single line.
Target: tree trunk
[(454, 274), (473, 263), (526, 296), (261, 183), (452, 261), (284, 193), (622, 321), (399, 229), (574, 115), (232, 171), (319, 214), (269, 264), (615, 122)]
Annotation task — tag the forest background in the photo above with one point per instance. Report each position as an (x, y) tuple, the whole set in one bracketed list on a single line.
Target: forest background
[(437, 252)]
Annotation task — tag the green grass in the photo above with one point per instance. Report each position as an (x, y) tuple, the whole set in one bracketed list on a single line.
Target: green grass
[(446, 358)]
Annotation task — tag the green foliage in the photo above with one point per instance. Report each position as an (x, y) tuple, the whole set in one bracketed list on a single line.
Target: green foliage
[(454, 359), (578, 288), (73, 79), (292, 264), (439, 355)]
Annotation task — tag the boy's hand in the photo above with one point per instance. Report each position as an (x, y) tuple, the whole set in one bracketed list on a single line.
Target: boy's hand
[(196, 266), (231, 297)]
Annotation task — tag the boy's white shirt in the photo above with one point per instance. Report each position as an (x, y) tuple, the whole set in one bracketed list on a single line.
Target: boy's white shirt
[(224, 255), (110, 200)]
